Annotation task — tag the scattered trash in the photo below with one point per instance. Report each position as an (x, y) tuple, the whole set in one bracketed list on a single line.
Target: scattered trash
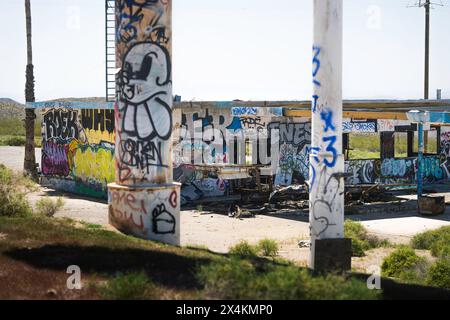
[(304, 243), (234, 211), (52, 293)]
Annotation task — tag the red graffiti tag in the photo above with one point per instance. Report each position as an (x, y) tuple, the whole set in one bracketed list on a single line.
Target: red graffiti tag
[(125, 217), (129, 200), (173, 199)]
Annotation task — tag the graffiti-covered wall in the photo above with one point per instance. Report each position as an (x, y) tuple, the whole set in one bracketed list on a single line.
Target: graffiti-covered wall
[(78, 149)]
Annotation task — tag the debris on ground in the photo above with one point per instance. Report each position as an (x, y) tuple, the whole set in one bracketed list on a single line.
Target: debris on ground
[(304, 243)]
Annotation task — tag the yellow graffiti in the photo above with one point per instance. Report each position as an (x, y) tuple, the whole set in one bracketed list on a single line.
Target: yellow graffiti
[(71, 152), (94, 164), (97, 136)]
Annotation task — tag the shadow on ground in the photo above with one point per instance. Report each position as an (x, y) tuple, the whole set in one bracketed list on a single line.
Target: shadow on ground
[(167, 269)]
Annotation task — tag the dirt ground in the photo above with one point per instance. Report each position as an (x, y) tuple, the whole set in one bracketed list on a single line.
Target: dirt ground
[(218, 232)]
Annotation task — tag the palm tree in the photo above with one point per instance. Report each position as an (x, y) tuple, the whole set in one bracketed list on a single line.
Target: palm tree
[(30, 166)]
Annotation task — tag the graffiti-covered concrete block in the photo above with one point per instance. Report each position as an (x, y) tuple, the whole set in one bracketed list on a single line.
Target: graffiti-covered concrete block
[(151, 213)]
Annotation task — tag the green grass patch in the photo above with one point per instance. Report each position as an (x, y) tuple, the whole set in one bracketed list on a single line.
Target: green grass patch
[(438, 241), (16, 126), (406, 265), (130, 286), (243, 279), (268, 248), (18, 140), (439, 273), (244, 250), (361, 240)]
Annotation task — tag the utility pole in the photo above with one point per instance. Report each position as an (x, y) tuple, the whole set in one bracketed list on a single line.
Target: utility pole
[(427, 4), (30, 116), (329, 250), (427, 49)]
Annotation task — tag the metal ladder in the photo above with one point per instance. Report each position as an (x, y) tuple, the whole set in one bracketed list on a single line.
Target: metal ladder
[(110, 43)]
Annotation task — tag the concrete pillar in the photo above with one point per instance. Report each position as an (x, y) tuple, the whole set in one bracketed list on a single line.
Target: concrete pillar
[(144, 201), (420, 160), (326, 202)]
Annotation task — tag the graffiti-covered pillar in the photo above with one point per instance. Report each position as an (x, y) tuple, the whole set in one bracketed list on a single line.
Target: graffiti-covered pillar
[(144, 201), (326, 181)]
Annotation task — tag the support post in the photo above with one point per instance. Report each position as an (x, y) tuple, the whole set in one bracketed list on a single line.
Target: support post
[(427, 49), (420, 161), (144, 201), (329, 250)]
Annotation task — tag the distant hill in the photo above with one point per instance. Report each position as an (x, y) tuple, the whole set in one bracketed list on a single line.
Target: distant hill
[(8, 100), (10, 109)]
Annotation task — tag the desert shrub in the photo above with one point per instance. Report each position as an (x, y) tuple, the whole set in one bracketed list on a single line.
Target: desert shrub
[(12, 200), (361, 240), (439, 274), (15, 180), (6, 175), (131, 286), (405, 264), (244, 250), (427, 239), (441, 248), (268, 248), (15, 141), (240, 279), (48, 207)]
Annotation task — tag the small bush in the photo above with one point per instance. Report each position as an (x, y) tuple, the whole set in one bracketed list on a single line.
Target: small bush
[(131, 286), (441, 248), (12, 200), (17, 181), (268, 248), (361, 240), (15, 141), (428, 239), (404, 264), (439, 274), (47, 207), (6, 175), (240, 279), (244, 250)]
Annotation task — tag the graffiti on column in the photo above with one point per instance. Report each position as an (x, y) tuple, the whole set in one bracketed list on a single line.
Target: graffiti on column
[(144, 83), (323, 161), (141, 213)]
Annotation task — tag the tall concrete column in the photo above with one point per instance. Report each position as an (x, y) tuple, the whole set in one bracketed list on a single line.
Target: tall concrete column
[(144, 201), (326, 202)]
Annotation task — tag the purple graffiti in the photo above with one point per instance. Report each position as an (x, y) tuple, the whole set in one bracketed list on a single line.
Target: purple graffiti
[(54, 159)]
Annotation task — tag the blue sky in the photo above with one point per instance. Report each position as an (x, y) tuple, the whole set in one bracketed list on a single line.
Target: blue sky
[(234, 49)]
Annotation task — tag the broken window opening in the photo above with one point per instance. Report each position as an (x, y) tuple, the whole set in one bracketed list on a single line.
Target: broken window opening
[(364, 145)]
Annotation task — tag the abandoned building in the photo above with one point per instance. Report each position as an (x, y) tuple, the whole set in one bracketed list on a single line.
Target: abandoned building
[(78, 145)]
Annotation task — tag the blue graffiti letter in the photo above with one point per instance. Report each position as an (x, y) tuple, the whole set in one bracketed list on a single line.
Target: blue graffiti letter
[(327, 117), (332, 149)]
